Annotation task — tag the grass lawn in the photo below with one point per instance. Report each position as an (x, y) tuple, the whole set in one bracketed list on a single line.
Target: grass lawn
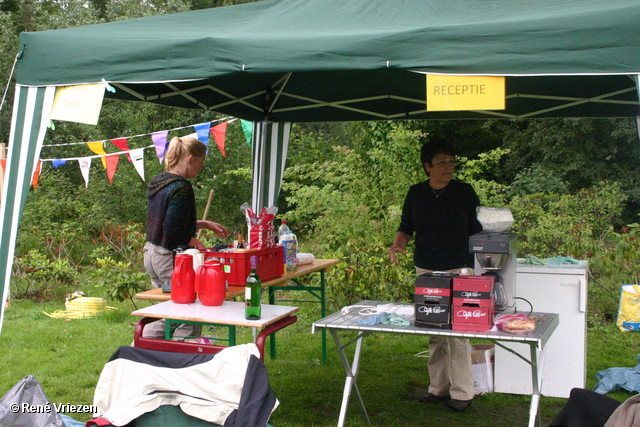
[(66, 357)]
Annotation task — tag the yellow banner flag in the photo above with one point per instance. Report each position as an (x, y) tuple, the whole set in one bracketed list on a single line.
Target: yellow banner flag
[(98, 148), (456, 93)]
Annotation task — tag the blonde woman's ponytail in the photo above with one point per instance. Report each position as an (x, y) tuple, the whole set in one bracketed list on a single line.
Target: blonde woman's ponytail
[(180, 148)]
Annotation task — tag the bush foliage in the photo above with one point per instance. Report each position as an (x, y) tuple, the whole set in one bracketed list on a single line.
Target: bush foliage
[(342, 194), (348, 207)]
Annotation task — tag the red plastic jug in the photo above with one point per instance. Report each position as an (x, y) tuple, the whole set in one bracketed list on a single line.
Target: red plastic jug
[(183, 280), (210, 284)]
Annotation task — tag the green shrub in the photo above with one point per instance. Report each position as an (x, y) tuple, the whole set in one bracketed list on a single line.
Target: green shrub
[(582, 225), (124, 242), (119, 279), (34, 275)]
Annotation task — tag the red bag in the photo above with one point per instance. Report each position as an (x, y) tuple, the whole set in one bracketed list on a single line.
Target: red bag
[(262, 233)]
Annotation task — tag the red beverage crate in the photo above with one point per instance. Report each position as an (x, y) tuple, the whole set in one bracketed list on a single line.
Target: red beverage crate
[(237, 265)]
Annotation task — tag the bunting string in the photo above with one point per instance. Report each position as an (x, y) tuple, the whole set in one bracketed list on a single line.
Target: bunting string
[(136, 156), (230, 119)]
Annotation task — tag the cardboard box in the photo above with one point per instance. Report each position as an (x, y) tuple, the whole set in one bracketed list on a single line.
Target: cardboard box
[(474, 291), (478, 319), (425, 295), (433, 315), (482, 356), (420, 324), (434, 288), (466, 299), (474, 283)]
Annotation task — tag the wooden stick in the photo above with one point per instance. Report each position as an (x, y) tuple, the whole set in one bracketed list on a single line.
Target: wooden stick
[(206, 212)]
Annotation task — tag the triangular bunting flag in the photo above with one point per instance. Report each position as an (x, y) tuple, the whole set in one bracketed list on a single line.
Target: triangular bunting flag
[(202, 130), (36, 175), (98, 148), (219, 132), (58, 162), (85, 166), (112, 165), (160, 142), (137, 156), (247, 129), (121, 143)]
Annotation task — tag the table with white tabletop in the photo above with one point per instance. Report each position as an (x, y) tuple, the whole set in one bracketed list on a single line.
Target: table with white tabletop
[(347, 320), (230, 314), (289, 281)]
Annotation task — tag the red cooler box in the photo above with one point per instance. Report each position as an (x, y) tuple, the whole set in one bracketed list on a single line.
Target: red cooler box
[(237, 265)]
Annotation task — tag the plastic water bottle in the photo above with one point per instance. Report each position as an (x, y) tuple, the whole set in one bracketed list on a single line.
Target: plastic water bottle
[(252, 292), (284, 229)]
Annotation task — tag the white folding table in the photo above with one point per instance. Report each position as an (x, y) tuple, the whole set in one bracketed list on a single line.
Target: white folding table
[(546, 323)]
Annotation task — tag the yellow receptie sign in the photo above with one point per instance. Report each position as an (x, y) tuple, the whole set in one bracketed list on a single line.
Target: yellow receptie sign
[(80, 104), (455, 93)]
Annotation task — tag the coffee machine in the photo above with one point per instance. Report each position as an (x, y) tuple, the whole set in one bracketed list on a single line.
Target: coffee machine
[(495, 250)]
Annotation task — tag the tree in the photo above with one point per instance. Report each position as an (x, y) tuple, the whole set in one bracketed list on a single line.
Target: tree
[(576, 153)]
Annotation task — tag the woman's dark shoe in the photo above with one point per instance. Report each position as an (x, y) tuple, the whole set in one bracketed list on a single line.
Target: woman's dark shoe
[(458, 405), (432, 398)]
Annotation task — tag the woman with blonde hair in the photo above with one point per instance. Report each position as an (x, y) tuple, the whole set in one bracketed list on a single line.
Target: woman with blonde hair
[(171, 212)]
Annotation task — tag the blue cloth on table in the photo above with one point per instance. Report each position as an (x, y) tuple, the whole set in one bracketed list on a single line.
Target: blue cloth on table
[(373, 320), (394, 319), (560, 260)]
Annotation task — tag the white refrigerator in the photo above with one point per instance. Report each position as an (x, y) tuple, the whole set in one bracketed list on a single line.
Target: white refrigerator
[(558, 289)]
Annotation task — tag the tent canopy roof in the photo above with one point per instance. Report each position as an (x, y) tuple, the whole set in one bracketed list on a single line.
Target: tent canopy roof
[(322, 60)]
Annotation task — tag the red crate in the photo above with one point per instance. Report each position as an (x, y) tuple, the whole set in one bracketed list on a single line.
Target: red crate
[(237, 265)]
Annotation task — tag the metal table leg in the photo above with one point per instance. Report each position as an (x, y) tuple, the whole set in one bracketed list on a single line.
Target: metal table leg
[(323, 313), (537, 362), (351, 371)]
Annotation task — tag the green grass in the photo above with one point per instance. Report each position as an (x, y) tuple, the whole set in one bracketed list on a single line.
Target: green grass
[(66, 357)]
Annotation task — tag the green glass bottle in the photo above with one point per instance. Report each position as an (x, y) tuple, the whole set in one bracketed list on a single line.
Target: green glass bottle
[(252, 292)]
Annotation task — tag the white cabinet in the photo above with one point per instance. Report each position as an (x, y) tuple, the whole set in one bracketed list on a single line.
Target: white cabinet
[(550, 289)]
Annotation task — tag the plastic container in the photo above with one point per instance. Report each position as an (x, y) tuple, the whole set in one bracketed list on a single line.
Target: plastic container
[(284, 229), (495, 220), (289, 242), (198, 258), (304, 258), (183, 280), (210, 284), (237, 265)]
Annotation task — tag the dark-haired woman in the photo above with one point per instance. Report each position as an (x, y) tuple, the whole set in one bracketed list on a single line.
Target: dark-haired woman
[(441, 212)]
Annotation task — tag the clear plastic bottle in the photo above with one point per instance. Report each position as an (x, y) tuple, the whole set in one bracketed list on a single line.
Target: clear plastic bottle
[(252, 292), (284, 229)]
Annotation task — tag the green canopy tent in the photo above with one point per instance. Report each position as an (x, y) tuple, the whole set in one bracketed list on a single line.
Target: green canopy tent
[(283, 61)]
